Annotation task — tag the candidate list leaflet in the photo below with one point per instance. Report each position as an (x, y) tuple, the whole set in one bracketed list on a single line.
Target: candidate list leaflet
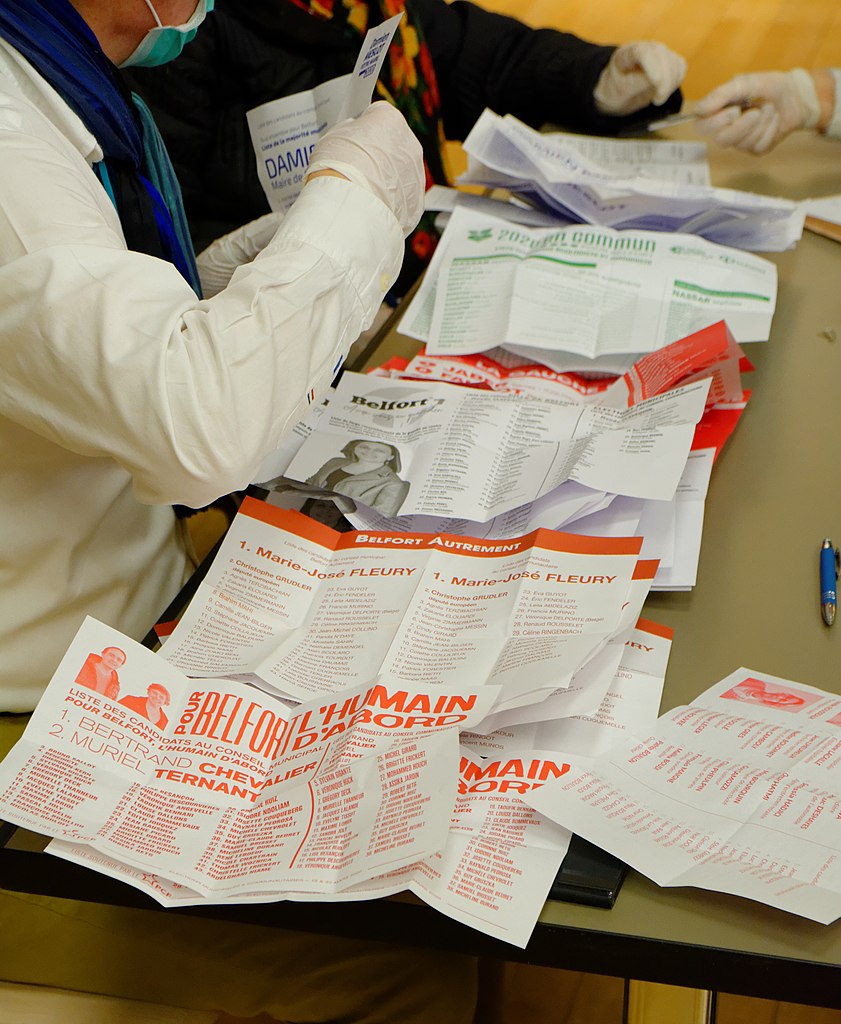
[(737, 792), (230, 791), (582, 292), (305, 610), (493, 873), (211, 791), (471, 454), (229, 796), (710, 353)]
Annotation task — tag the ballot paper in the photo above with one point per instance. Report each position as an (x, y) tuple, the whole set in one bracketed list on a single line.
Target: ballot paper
[(557, 510), (472, 454), (682, 163), (596, 182), (501, 856), (284, 131), (308, 610), (671, 530), (549, 698), (630, 705), (230, 791), (582, 291), (487, 370), (737, 792)]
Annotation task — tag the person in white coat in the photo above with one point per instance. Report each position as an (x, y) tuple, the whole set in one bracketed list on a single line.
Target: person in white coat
[(122, 392)]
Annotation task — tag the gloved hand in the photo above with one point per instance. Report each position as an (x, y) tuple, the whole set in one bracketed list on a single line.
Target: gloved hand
[(638, 74), (754, 112), (217, 263), (378, 151)]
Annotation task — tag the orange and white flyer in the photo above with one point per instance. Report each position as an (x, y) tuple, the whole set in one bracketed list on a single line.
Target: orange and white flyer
[(737, 792), (305, 610), (482, 370), (430, 448), (221, 788)]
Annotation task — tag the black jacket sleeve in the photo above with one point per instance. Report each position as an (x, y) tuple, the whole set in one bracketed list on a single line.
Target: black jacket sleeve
[(539, 75)]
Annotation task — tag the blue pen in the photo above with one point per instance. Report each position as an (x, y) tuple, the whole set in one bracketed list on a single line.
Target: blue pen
[(829, 578)]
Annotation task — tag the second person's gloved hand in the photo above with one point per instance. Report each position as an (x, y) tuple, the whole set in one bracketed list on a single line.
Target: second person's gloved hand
[(638, 74), (378, 151), (754, 112)]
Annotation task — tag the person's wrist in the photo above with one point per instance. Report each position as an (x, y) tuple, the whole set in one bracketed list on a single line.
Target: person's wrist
[(824, 82), (327, 172)]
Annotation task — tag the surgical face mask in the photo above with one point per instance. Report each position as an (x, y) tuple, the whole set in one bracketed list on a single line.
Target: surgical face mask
[(165, 42)]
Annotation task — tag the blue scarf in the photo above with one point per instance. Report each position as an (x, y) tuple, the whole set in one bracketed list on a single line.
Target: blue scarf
[(136, 171)]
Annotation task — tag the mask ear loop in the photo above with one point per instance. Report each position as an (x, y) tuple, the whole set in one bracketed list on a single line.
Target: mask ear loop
[(158, 21)]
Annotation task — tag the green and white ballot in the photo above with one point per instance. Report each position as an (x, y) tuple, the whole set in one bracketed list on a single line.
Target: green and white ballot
[(585, 291)]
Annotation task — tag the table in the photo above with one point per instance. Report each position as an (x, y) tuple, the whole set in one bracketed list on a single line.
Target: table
[(775, 493)]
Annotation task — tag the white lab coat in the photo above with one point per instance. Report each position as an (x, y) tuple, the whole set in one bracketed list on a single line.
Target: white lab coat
[(121, 393)]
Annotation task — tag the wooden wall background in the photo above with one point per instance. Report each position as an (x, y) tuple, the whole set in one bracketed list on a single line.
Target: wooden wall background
[(717, 37)]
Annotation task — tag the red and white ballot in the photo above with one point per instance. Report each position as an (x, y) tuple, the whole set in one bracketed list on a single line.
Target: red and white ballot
[(221, 788), (211, 791), (306, 610), (738, 792)]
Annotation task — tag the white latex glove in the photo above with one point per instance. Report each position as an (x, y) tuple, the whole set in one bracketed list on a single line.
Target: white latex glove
[(378, 151), (217, 263), (755, 112), (638, 74)]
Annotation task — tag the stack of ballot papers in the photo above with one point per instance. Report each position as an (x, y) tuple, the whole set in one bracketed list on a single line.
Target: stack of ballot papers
[(582, 298), (470, 430), (739, 792), (653, 185), (340, 775)]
